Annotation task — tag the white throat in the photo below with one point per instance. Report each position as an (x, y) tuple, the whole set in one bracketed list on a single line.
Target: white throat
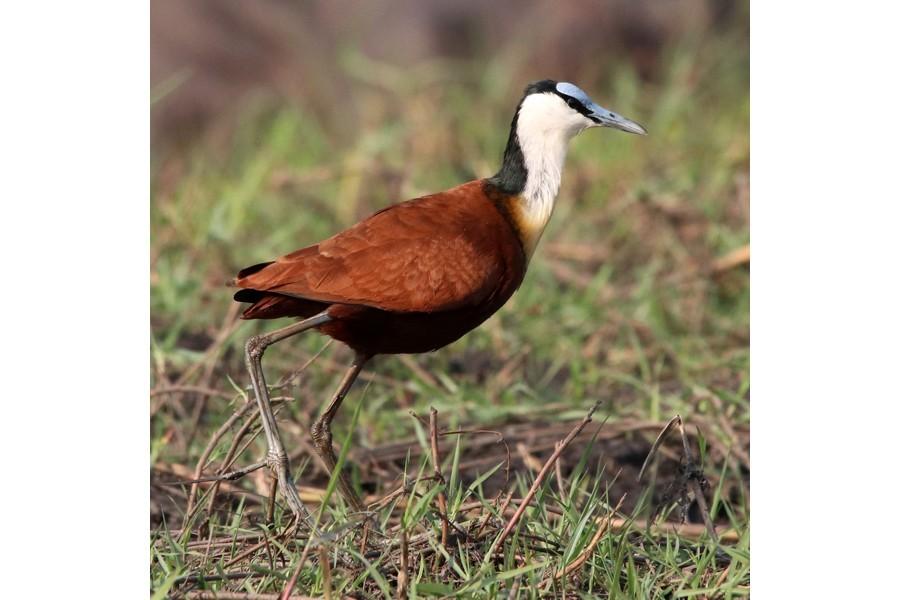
[(545, 126)]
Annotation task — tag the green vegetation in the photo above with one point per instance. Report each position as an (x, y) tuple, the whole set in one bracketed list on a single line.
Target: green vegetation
[(624, 303)]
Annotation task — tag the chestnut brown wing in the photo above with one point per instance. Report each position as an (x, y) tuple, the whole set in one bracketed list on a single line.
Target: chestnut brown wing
[(431, 254)]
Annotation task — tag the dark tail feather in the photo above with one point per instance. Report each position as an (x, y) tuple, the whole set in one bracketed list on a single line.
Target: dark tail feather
[(251, 296), (248, 271), (265, 305)]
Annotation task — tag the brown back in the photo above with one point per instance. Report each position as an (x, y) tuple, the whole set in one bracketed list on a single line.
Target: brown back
[(441, 252)]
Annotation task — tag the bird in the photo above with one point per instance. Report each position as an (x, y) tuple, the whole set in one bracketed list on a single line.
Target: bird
[(418, 275)]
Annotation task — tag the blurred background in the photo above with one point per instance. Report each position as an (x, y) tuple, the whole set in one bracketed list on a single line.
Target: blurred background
[(276, 124), (336, 58)]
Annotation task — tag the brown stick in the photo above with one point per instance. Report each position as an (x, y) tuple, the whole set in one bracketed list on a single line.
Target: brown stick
[(418, 371), (326, 572), (286, 380), (231, 455), (403, 572), (528, 459), (539, 480), (692, 531), (229, 476), (656, 443), (213, 442), (487, 513), (270, 507), (704, 510), (213, 595), (436, 462), (735, 258), (269, 552), (284, 535), (194, 389), (500, 440), (695, 485), (364, 538), (234, 451), (559, 480), (208, 360), (688, 459), (286, 592), (589, 549), (184, 472)]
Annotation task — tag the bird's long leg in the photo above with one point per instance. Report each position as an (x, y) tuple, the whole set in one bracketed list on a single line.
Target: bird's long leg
[(321, 432), (277, 457)]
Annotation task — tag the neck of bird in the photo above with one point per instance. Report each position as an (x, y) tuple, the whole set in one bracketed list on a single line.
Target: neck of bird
[(531, 174)]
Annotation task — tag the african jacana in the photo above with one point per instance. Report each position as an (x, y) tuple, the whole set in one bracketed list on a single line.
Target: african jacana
[(419, 275)]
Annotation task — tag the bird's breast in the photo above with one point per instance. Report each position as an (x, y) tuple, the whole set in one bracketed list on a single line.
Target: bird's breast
[(526, 217)]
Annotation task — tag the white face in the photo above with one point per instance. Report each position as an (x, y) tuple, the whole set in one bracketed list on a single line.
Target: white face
[(545, 125), (548, 114)]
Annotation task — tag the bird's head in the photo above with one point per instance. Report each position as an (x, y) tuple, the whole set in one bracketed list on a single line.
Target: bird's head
[(549, 115), (550, 107)]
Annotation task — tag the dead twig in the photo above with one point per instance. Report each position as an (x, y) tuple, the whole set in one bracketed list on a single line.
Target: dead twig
[(487, 515), (210, 446), (603, 527), (691, 531), (223, 595), (364, 538), (234, 452), (560, 483), (270, 506), (656, 443), (269, 552), (696, 481), (539, 480), (500, 440), (185, 472), (191, 389), (410, 363), (528, 459), (286, 380), (326, 572), (283, 536), (230, 476), (231, 456), (691, 481), (406, 488), (403, 573), (439, 477), (735, 258), (289, 587), (228, 327)]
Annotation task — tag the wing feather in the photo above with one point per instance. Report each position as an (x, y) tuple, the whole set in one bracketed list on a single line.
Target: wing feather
[(432, 254)]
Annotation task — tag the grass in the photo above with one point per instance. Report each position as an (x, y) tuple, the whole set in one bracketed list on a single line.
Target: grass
[(623, 304)]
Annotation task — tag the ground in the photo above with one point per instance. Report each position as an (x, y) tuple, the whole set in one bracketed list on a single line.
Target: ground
[(637, 299)]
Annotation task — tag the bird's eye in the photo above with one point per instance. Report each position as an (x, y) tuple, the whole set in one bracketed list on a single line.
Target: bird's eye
[(572, 102)]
